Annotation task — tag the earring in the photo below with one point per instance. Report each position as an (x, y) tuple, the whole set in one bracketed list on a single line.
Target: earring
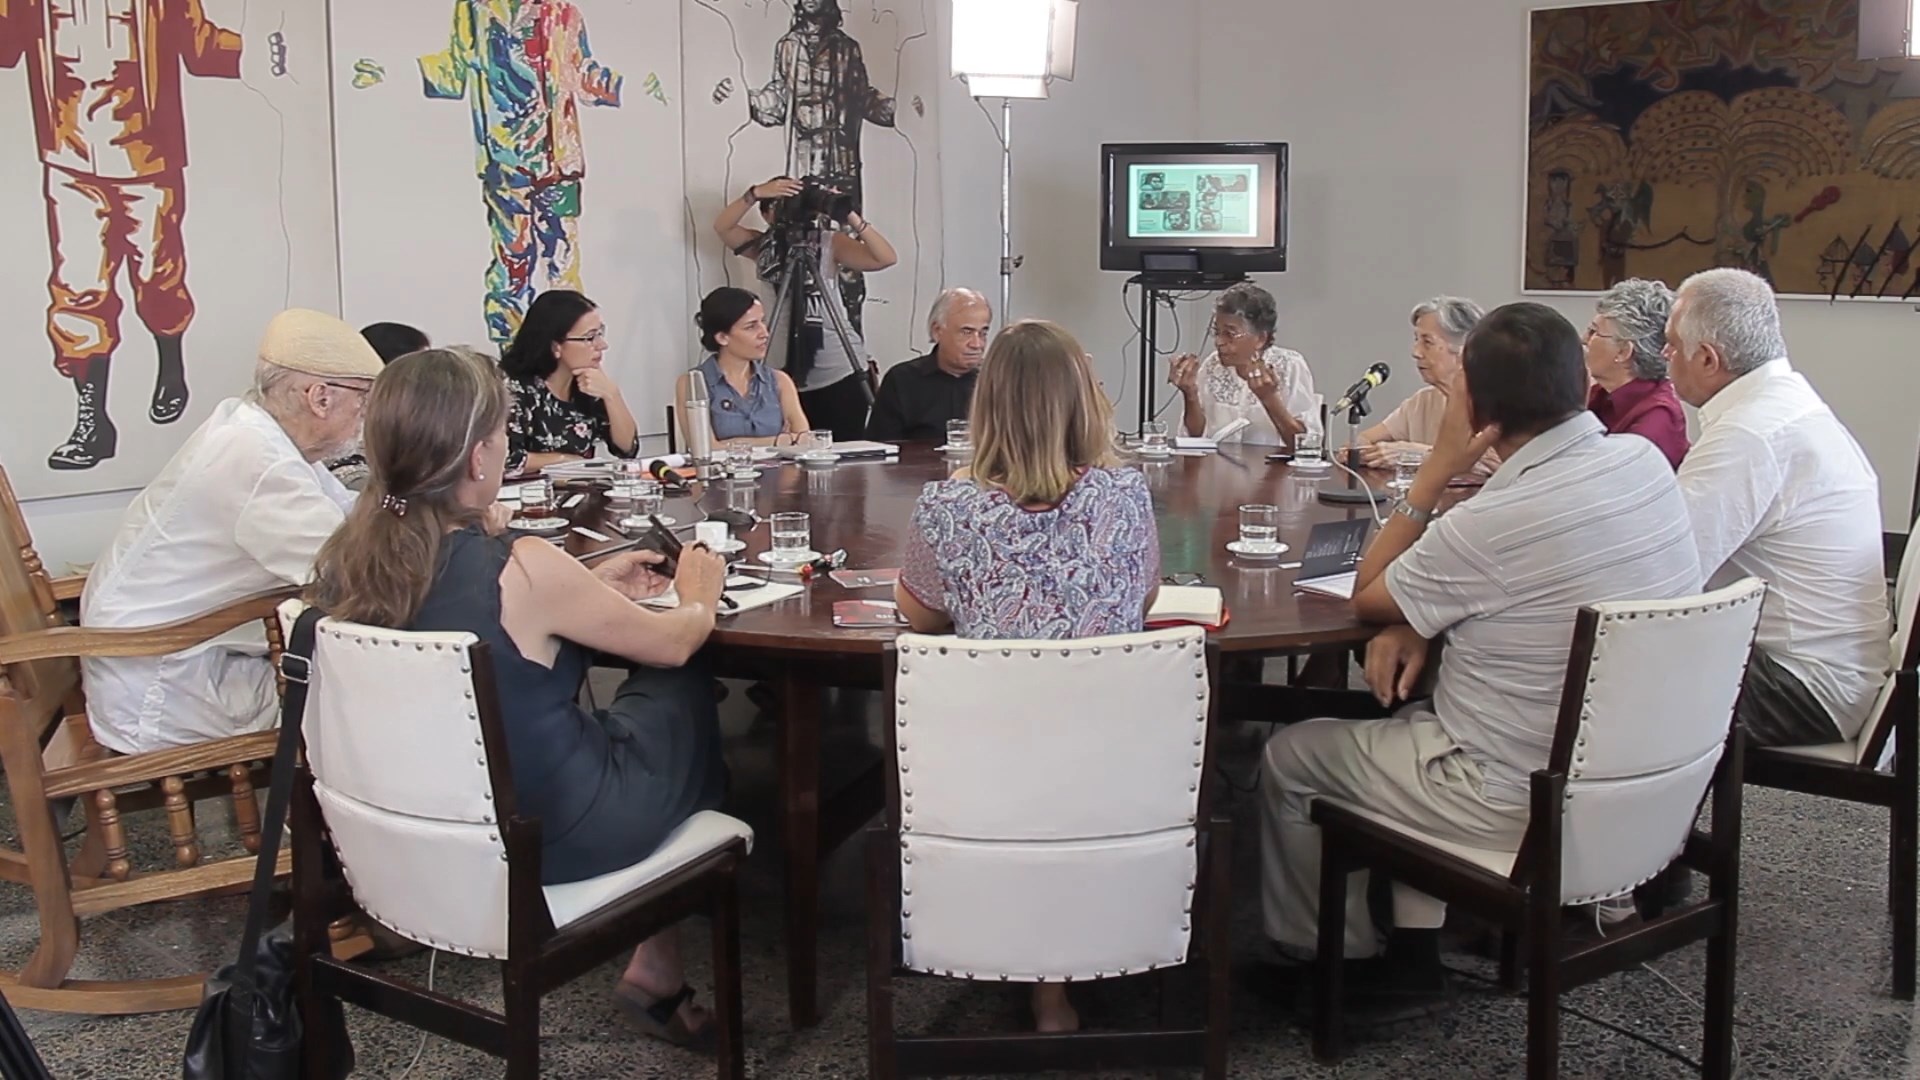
[(482, 476)]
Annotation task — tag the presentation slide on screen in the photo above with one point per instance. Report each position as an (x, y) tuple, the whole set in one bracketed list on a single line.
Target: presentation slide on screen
[(1193, 200)]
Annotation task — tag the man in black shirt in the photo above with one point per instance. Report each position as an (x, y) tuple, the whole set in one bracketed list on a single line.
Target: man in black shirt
[(917, 398)]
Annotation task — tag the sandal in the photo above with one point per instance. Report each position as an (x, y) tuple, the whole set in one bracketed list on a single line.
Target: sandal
[(661, 1019)]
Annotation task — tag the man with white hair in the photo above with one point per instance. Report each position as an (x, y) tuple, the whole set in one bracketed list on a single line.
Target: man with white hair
[(917, 398), (242, 508), (1777, 488)]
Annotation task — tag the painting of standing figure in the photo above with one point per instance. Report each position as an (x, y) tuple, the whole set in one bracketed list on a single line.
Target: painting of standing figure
[(525, 68), (821, 94), (103, 80)]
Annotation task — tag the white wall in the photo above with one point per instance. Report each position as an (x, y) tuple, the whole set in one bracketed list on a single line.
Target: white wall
[(1407, 125)]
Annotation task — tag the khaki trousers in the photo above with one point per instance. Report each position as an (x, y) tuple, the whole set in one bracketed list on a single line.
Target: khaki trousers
[(1407, 769)]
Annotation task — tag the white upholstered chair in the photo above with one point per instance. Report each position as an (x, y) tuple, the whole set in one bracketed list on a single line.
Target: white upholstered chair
[(1879, 768), (1645, 728), (407, 790), (1044, 824)]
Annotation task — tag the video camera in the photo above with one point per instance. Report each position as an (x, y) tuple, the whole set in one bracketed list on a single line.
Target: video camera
[(818, 199)]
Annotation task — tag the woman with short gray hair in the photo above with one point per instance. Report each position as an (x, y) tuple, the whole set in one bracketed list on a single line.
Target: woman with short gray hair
[(1626, 342), (1247, 376), (1440, 329)]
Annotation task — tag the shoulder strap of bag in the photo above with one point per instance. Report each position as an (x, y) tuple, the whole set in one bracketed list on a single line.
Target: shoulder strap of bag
[(296, 664)]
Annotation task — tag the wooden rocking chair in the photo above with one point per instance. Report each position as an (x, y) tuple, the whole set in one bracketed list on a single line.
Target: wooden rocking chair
[(49, 756)]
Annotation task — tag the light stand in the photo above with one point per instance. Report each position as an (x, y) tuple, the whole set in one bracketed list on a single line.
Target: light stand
[(1012, 49)]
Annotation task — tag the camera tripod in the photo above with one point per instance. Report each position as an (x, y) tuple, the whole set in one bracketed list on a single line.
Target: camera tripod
[(800, 267)]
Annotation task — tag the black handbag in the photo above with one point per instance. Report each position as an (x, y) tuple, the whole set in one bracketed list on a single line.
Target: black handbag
[(249, 1026), (18, 1059)]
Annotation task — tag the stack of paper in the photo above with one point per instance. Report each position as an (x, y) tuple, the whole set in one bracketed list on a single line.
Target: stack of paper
[(1201, 605), (1339, 586)]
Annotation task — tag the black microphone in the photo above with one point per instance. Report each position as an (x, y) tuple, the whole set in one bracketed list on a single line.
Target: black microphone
[(664, 473), (1357, 393)]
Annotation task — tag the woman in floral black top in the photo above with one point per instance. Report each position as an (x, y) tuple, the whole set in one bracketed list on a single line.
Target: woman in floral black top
[(563, 400)]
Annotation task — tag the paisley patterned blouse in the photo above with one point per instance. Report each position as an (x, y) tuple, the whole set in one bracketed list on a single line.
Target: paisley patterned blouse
[(1081, 569), (539, 423)]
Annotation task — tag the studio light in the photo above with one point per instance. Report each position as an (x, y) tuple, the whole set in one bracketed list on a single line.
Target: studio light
[(1012, 49)]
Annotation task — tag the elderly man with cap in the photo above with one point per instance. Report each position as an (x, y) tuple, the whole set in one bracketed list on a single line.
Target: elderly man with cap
[(242, 508)]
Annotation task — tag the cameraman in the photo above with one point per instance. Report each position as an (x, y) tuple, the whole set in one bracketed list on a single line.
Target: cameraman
[(832, 380)]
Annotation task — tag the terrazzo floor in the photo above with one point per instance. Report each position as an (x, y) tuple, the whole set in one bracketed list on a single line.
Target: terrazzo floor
[(1813, 973)]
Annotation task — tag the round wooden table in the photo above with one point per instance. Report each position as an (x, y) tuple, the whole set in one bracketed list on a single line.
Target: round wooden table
[(866, 508)]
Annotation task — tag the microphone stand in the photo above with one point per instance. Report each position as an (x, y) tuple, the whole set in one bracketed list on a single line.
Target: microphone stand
[(1353, 493)]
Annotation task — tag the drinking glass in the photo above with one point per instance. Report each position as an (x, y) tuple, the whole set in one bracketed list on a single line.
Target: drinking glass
[(1153, 438), (959, 436), (627, 480), (791, 535), (1259, 527), (1310, 446), (1405, 464), (646, 498), (817, 439), (536, 497)]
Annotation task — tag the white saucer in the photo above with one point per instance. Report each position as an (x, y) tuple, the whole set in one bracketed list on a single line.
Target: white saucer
[(789, 562), (1154, 455), (818, 459), (732, 545), (943, 448), (744, 475), (1238, 548), (1311, 466), (635, 521), (539, 524)]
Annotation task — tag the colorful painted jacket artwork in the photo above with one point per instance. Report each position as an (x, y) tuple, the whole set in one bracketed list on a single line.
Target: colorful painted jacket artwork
[(528, 66), (125, 120)]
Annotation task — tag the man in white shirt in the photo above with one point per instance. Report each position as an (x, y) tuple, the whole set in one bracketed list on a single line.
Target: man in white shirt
[(1570, 518), (242, 508), (1778, 488)]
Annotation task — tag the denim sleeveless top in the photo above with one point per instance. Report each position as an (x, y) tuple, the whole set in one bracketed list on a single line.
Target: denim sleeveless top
[(754, 415)]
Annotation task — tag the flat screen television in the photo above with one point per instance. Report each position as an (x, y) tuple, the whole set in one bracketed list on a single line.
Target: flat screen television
[(1194, 209)]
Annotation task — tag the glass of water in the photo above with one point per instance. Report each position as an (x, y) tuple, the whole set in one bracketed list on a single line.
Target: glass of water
[(1405, 464), (1259, 527), (791, 535), (1153, 438), (817, 439), (536, 497), (646, 497), (1310, 446), (959, 436), (626, 481)]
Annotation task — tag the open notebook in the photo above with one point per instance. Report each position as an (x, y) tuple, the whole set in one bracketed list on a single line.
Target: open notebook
[(744, 599)]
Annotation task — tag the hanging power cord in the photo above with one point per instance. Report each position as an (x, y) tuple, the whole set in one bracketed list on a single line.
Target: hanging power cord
[(433, 958)]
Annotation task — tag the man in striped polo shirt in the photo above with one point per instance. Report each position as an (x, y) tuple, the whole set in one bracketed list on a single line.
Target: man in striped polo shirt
[(1571, 517)]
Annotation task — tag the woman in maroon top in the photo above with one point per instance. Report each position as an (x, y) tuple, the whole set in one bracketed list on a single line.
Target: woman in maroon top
[(1631, 393)]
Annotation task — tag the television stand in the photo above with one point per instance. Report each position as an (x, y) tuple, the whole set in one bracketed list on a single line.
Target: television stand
[(1154, 286)]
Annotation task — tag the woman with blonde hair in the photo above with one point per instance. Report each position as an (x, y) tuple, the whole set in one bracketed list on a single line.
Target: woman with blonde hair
[(1043, 536), (417, 553)]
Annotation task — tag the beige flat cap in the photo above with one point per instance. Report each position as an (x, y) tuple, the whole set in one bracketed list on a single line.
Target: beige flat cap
[(316, 343)]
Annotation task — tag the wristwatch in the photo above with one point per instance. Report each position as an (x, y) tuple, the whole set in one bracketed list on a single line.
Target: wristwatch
[(1407, 510)]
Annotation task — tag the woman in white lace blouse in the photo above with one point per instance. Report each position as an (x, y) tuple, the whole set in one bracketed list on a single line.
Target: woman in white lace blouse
[(1247, 376)]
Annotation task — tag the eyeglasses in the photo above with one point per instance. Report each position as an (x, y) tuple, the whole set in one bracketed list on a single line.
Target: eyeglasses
[(1592, 333), (589, 339), (346, 386), (1224, 332)]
